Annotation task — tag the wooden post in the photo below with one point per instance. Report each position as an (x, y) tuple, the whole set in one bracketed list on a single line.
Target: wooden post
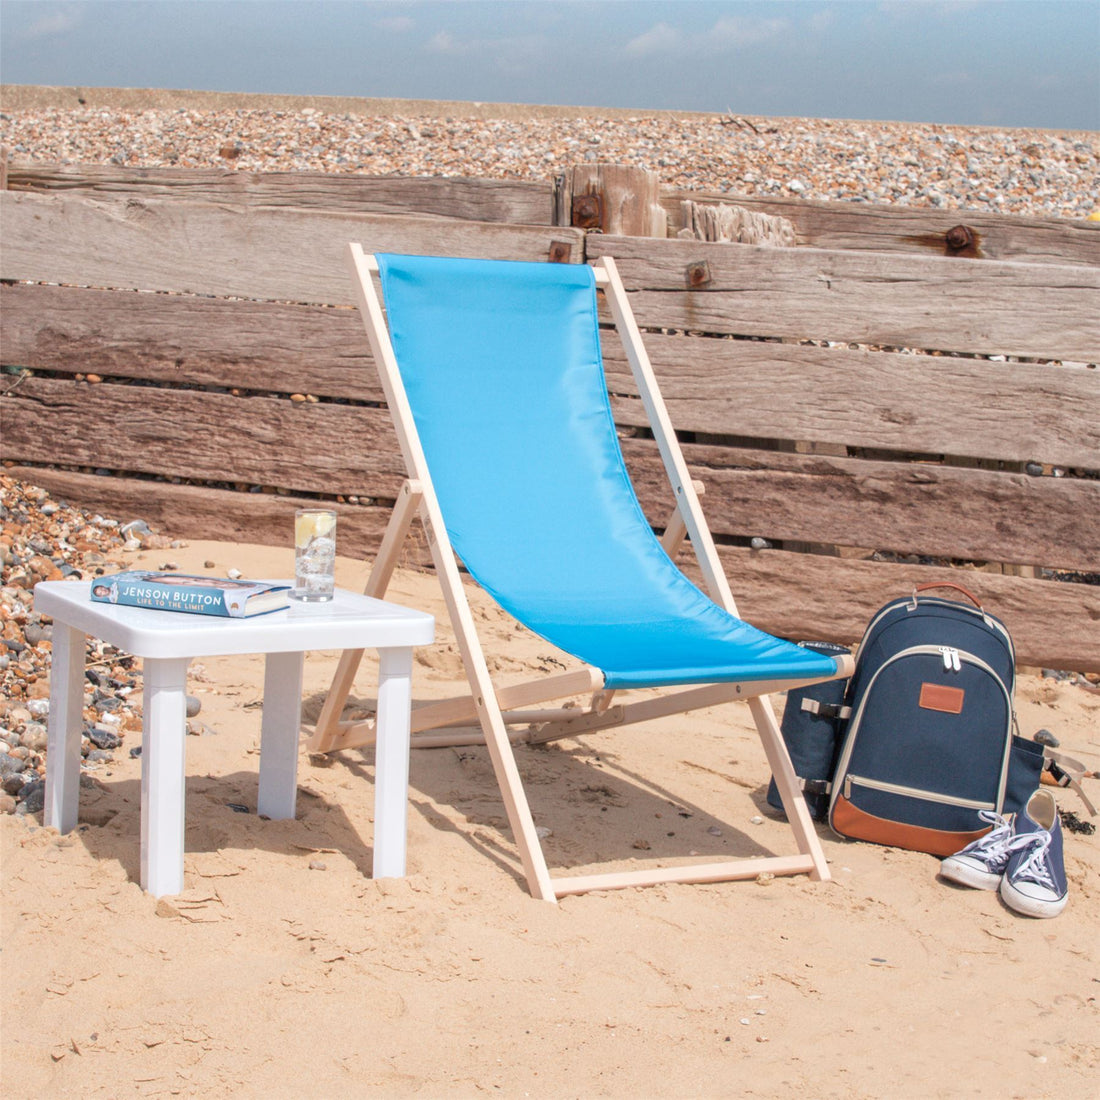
[(613, 198)]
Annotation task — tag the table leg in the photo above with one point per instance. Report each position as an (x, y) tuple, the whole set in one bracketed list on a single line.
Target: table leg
[(64, 727), (162, 775), (279, 734), (391, 761)]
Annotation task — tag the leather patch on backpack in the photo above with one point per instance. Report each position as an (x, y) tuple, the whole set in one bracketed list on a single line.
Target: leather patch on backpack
[(942, 698)]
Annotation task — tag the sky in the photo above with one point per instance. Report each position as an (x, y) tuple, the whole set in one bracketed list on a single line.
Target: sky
[(972, 62)]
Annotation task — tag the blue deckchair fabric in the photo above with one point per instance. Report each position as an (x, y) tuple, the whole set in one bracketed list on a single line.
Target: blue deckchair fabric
[(501, 364)]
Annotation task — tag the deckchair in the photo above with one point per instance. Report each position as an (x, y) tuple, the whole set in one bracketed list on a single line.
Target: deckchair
[(493, 374)]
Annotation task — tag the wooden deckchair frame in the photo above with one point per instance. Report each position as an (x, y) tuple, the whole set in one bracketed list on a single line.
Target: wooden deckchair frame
[(494, 708)]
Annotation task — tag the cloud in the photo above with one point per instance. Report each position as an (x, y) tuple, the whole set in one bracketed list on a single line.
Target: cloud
[(52, 25), (510, 54), (658, 39), (946, 11), (444, 42), (737, 31), (730, 33), (397, 23)]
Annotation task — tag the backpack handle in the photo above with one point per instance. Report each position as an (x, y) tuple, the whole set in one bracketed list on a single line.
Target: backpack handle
[(947, 584)]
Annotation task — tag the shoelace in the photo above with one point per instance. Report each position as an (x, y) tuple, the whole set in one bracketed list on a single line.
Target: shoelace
[(1034, 868), (993, 848)]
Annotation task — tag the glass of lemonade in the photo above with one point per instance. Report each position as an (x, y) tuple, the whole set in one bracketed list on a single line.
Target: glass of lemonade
[(314, 554)]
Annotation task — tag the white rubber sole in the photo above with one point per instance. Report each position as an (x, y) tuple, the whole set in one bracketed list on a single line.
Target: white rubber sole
[(966, 873), (1029, 906)]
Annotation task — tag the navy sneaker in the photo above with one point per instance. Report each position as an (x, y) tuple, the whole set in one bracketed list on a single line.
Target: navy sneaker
[(1034, 881), (982, 862)]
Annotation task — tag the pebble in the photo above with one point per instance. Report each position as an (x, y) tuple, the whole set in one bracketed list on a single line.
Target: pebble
[(35, 737), (46, 539), (103, 738), (10, 765), (1047, 173), (32, 798)]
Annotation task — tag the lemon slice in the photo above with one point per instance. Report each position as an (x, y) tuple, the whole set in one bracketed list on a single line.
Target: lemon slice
[(310, 525)]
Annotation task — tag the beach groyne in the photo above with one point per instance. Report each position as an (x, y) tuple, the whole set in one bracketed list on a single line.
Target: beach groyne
[(880, 395)]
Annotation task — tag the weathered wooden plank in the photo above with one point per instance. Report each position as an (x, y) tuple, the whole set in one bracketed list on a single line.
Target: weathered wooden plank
[(305, 447), (909, 508), (198, 512), (806, 596), (910, 229), (1036, 310), (510, 202), (1014, 412), (184, 339), (254, 252), (965, 407)]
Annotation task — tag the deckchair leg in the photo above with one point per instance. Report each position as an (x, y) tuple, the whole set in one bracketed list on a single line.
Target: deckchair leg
[(516, 807), (401, 518), (798, 813)]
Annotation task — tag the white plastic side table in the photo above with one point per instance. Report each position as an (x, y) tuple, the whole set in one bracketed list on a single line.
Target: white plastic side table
[(167, 641)]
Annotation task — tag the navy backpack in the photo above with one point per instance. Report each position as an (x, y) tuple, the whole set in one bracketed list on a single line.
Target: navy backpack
[(924, 733)]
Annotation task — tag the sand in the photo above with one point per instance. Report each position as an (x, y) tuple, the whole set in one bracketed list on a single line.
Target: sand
[(284, 970)]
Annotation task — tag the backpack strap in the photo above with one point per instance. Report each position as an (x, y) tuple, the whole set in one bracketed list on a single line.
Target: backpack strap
[(826, 710), (1064, 771)]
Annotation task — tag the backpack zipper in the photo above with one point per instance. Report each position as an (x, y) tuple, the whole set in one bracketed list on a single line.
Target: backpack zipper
[(950, 658), (913, 792), (948, 653)]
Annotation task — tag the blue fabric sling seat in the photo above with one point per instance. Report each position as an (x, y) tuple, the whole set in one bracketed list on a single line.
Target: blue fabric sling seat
[(502, 367)]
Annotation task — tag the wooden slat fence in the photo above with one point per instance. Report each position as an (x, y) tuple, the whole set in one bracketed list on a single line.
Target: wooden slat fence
[(204, 317), (818, 224)]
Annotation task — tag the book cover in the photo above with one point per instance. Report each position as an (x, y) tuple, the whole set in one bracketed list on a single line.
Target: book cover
[(194, 594)]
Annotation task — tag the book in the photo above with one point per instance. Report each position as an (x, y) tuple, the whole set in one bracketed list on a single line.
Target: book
[(194, 594)]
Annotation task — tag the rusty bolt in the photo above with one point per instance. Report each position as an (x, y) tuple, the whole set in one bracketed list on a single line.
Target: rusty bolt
[(698, 273), (587, 210), (959, 238), (560, 252)]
